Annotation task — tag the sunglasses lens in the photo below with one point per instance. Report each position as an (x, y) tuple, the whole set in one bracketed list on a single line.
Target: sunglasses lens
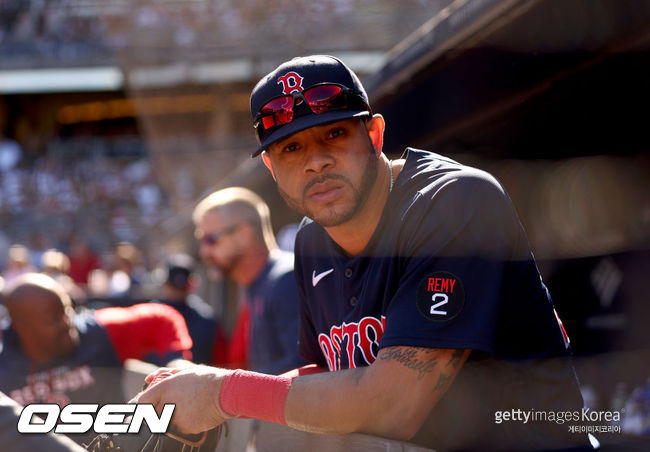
[(209, 239), (324, 98), (277, 112)]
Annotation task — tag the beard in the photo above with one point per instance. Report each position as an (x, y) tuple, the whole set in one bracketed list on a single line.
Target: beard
[(224, 269), (335, 216)]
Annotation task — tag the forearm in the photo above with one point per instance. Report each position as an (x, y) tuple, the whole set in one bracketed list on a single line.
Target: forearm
[(390, 398), (332, 402), (350, 402)]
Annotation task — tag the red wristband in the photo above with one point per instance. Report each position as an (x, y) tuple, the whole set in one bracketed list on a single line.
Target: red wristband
[(255, 395)]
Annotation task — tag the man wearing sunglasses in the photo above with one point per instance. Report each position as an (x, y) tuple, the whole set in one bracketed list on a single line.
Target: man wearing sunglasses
[(233, 227), (419, 293)]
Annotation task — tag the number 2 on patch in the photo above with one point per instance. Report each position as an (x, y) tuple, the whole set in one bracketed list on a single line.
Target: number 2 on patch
[(434, 307)]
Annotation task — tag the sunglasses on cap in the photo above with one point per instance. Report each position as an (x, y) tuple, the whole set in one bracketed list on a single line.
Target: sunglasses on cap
[(319, 98)]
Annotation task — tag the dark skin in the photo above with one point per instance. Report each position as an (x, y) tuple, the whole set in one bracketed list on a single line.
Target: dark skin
[(43, 322), (42, 317), (320, 171)]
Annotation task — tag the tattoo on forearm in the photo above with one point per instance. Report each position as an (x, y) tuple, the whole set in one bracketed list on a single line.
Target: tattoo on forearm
[(442, 382), (408, 357), (455, 359)]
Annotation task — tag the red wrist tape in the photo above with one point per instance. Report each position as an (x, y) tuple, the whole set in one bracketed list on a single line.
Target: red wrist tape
[(251, 394)]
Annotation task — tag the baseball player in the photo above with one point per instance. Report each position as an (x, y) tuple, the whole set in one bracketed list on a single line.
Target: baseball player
[(233, 226), (208, 341), (419, 293), (50, 354)]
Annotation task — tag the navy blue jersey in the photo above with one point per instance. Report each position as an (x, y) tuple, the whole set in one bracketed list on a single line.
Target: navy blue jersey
[(273, 301), (448, 266), (91, 374), (88, 375)]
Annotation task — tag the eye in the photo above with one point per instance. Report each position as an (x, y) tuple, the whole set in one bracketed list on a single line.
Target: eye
[(335, 132), (291, 147)]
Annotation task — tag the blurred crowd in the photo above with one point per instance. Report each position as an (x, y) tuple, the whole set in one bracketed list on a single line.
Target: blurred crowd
[(76, 188), (44, 31), (65, 32), (83, 273), (64, 211)]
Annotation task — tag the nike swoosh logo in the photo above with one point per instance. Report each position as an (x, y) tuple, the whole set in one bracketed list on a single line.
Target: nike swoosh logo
[(315, 278)]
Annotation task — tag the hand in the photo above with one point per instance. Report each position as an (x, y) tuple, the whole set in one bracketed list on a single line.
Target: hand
[(195, 391), (180, 363)]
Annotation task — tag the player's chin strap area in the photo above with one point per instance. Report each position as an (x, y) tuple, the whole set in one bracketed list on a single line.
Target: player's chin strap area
[(156, 442)]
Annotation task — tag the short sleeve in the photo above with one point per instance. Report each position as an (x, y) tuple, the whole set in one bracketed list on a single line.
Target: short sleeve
[(456, 240)]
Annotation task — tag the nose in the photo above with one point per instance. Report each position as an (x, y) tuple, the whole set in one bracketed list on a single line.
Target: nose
[(318, 160)]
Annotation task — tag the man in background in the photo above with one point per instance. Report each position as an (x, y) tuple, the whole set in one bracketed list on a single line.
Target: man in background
[(82, 261), (50, 354), (18, 262), (233, 226), (208, 341), (56, 264)]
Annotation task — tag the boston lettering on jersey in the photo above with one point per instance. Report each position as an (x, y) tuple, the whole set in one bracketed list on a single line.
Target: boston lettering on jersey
[(360, 339), (87, 375), (53, 385)]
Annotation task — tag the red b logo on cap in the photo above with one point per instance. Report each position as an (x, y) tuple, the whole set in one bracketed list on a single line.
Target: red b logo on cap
[(291, 82)]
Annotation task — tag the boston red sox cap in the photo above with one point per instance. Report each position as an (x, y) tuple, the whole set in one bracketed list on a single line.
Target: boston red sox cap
[(289, 87)]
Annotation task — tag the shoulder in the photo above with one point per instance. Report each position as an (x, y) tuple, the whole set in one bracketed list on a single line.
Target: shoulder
[(281, 273), (312, 241), (442, 206), (427, 173), (308, 230), (281, 262), (431, 180)]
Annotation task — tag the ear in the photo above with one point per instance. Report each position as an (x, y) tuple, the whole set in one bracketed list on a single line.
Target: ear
[(246, 235), (376, 126), (267, 162)]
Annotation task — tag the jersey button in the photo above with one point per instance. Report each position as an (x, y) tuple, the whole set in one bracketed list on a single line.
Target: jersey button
[(348, 273), (353, 301)]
